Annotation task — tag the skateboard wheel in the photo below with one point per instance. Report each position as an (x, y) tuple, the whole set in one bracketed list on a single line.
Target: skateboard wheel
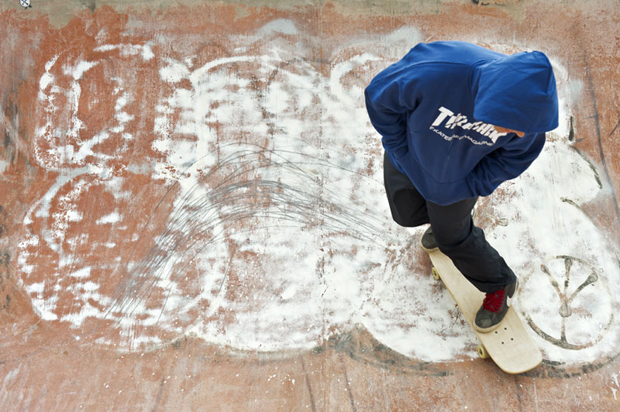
[(436, 274), (482, 352)]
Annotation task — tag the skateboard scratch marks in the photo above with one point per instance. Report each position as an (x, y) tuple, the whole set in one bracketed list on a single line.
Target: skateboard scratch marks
[(160, 392), (519, 392), (596, 116), (216, 238), (614, 129), (308, 384), (346, 380), (250, 190), (229, 208)]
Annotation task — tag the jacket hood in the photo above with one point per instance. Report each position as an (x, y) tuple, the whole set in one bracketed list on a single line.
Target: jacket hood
[(517, 92)]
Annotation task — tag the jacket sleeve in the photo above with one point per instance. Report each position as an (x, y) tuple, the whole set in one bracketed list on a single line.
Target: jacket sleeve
[(505, 163), (390, 98)]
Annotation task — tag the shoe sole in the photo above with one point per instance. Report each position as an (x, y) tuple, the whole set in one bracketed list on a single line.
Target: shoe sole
[(489, 329), (497, 325), (427, 250)]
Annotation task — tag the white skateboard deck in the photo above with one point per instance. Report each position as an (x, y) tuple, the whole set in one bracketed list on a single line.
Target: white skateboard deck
[(510, 345)]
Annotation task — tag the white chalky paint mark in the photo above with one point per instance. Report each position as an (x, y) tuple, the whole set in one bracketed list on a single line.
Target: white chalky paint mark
[(114, 217), (305, 306)]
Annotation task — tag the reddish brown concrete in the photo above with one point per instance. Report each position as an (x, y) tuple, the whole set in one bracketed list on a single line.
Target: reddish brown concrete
[(48, 364)]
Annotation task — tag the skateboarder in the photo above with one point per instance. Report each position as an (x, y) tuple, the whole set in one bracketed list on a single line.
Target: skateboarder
[(456, 121)]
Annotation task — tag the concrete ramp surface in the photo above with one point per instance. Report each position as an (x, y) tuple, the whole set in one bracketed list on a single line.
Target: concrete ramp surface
[(193, 218)]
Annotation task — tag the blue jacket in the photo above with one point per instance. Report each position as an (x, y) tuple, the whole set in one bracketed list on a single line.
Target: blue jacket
[(436, 109)]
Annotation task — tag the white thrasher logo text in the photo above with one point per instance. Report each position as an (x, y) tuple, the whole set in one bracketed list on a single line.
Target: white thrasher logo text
[(460, 120)]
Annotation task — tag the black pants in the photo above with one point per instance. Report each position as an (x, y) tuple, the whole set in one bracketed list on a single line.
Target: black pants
[(453, 228)]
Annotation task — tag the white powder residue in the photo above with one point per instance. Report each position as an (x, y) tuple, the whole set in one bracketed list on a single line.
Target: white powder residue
[(284, 26), (51, 63), (84, 294), (296, 299), (45, 81), (147, 53), (289, 292), (108, 219), (565, 262), (434, 329), (174, 72), (81, 274), (78, 71), (43, 306), (280, 212), (57, 153), (81, 164), (128, 50), (35, 288), (47, 78)]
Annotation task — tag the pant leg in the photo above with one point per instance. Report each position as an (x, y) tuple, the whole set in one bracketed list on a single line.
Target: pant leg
[(453, 228), (464, 243), (408, 207)]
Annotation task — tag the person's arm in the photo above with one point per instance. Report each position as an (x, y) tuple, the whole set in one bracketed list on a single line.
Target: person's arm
[(390, 98), (505, 163)]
